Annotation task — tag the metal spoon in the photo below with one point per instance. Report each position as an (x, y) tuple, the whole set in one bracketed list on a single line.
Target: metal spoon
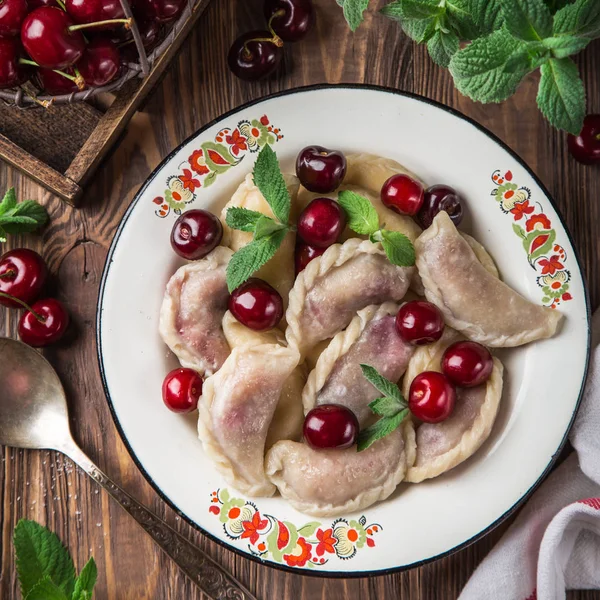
[(34, 414)]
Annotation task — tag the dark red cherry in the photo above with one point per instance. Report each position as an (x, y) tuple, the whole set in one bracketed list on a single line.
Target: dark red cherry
[(12, 14), (161, 11), (37, 3), (438, 198), (49, 41), (330, 426), (92, 11), (320, 170), (403, 194), (196, 233), (585, 147), (55, 84), (256, 305), (152, 34), (467, 364), (291, 20), (420, 322), (100, 63), (181, 390), (23, 274), (304, 254), (432, 397), (255, 55), (321, 222), (12, 72), (44, 324)]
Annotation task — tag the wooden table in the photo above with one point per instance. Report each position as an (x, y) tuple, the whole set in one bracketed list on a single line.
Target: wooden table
[(198, 88)]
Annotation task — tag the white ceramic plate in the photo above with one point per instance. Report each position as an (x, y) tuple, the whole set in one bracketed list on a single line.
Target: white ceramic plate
[(509, 211)]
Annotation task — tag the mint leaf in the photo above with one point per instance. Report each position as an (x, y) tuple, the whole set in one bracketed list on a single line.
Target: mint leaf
[(566, 45), (419, 9), (362, 216), (561, 96), (580, 19), (386, 406), (269, 180), (251, 257), (554, 5), (353, 11), (41, 554), (478, 69), (84, 584), (460, 20), (381, 384), (398, 248), (380, 429), (242, 218), (9, 201), (265, 227), (528, 20), (46, 589), (442, 46), (24, 217), (3, 234), (487, 14)]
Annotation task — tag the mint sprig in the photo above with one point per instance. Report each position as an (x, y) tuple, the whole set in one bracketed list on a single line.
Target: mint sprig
[(364, 220), (45, 567), (353, 11), (20, 218), (391, 407)]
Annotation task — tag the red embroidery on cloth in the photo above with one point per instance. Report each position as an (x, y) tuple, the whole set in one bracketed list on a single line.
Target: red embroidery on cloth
[(593, 502)]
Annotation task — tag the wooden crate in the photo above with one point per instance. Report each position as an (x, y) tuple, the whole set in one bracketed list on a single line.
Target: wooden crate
[(61, 147)]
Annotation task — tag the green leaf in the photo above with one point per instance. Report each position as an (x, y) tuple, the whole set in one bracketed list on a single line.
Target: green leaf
[(460, 19), (269, 180), (554, 5), (24, 217), (531, 56), (561, 96), (528, 20), (487, 14), (353, 11), (3, 234), (478, 69), (265, 226), (386, 407), (251, 257), (418, 9), (442, 46), (242, 218), (380, 429), (362, 216), (566, 45), (308, 529), (41, 554), (579, 19), (9, 201), (84, 584), (398, 248), (519, 231), (419, 31), (46, 589), (381, 384)]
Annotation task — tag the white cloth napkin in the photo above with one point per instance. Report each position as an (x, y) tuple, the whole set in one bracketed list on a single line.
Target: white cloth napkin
[(554, 544)]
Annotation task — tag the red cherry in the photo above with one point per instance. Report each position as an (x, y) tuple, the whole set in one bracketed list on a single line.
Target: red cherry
[(330, 426), (49, 328), (55, 83), (256, 305), (100, 63), (32, 4), (196, 233), (403, 194), (92, 11), (304, 254), (23, 274), (420, 322), (320, 170), (181, 390), (467, 364), (438, 198), (151, 33), (321, 222), (291, 20), (12, 72), (255, 55), (585, 147), (12, 13), (161, 11), (432, 397)]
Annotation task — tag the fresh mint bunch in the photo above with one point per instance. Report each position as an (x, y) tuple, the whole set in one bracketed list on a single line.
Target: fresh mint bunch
[(20, 218), (45, 567), (509, 39)]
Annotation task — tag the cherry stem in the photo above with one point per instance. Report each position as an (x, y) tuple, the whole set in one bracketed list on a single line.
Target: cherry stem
[(598, 136), (26, 306), (61, 4), (77, 78), (277, 13), (8, 274), (126, 22)]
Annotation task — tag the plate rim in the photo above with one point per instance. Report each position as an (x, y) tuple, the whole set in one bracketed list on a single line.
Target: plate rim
[(98, 323)]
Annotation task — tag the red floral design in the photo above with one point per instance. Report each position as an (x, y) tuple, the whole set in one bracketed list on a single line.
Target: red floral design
[(551, 265), (593, 502), (522, 209), (264, 120), (198, 163), (252, 528), (370, 542), (540, 219), (294, 560), (189, 183), (326, 542), (237, 142)]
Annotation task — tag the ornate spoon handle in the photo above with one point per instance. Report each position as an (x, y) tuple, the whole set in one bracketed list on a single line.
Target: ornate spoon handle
[(208, 575)]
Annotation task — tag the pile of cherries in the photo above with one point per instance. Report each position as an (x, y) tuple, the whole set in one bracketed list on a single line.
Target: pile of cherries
[(257, 54), (67, 45), (23, 275), (432, 395)]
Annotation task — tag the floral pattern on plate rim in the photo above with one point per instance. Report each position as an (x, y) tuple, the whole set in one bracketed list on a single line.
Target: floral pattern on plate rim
[(213, 158), (534, 227), (310, 545)]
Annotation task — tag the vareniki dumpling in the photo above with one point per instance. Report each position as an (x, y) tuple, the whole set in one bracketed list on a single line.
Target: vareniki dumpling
[(334, 286), (372, 339), (471, 299), (192, 311)]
